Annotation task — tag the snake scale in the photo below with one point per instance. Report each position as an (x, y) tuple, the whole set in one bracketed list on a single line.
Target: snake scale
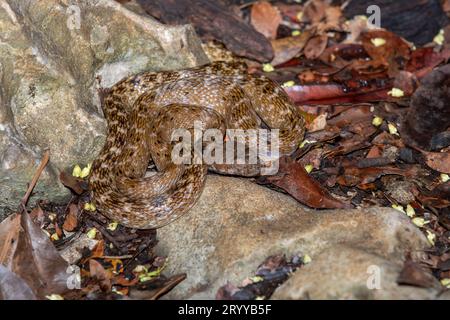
[(141, 112)]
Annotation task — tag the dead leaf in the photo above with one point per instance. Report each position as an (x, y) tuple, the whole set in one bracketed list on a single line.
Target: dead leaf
[(314, 11), (287, 48), (293, 178), (414, 275), (407, 82), (354, 176), (97, 271), (71, 221), (27, 252), (393, 54), (99, 250), (315, 46), (424, 60), (37, 215), (439, 161), (291, 11), (74, 184), (352, 116), (265, 18), (319, 123), (13, 287), (333, 17)]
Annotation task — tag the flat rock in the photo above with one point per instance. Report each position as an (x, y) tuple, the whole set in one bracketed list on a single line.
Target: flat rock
[(236, 224)]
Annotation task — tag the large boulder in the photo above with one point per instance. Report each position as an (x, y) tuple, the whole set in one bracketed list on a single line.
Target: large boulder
[(54, 56), (237, 224)]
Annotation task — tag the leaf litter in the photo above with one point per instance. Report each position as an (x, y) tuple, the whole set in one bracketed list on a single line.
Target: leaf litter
[(362, 91)]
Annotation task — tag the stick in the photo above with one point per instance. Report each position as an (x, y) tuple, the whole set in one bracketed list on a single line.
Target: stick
[(35, 179)]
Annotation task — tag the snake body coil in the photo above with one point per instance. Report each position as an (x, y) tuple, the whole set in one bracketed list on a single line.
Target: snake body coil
[(143, 110)]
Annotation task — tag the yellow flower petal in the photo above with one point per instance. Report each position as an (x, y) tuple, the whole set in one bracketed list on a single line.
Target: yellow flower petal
[(76, 171), (439, 38), (446, 282), (396, 93), (306, 259), (89, 206), (288, 84), (309, 168), (112, 226), (54, 296), (86, 170), (92, 233), (398, 207), (140, 268), (410, 212), (54, 237), (256, 279), (267, 67), (392, 129), (431, 237), (377, 121), (420, 222), (378, 42), (296, 33)]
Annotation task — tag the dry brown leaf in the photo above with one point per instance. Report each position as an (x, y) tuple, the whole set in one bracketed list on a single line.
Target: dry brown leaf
[(414, 275), (99, 250), (26, 251), (351, 116), (374, 152), (293, 178), (407, 82), (37, 215), (315, 46), (392, 54), (97, 271), (314, 11), (439, 161), (71, 221), (13, 287), (446, 5), (74, 184), (290, 10), (319, 123), (354, 176), (332, 19), (287, 48), (313, 157), (265, 18)]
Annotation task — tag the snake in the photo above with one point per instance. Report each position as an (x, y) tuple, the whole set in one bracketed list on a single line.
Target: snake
[(143, 110)]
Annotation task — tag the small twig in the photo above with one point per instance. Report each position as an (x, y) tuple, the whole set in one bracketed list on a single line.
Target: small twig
[(44, 161), (127, 256), (169, 285)]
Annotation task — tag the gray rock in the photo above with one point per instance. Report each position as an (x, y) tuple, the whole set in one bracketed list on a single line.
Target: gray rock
[(237, 224), (54, 56), (346, 272)]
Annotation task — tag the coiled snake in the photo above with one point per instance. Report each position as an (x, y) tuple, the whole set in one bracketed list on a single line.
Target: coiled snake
[(143, 110)]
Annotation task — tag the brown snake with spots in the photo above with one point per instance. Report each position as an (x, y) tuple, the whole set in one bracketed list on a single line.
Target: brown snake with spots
[(143, 110)]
